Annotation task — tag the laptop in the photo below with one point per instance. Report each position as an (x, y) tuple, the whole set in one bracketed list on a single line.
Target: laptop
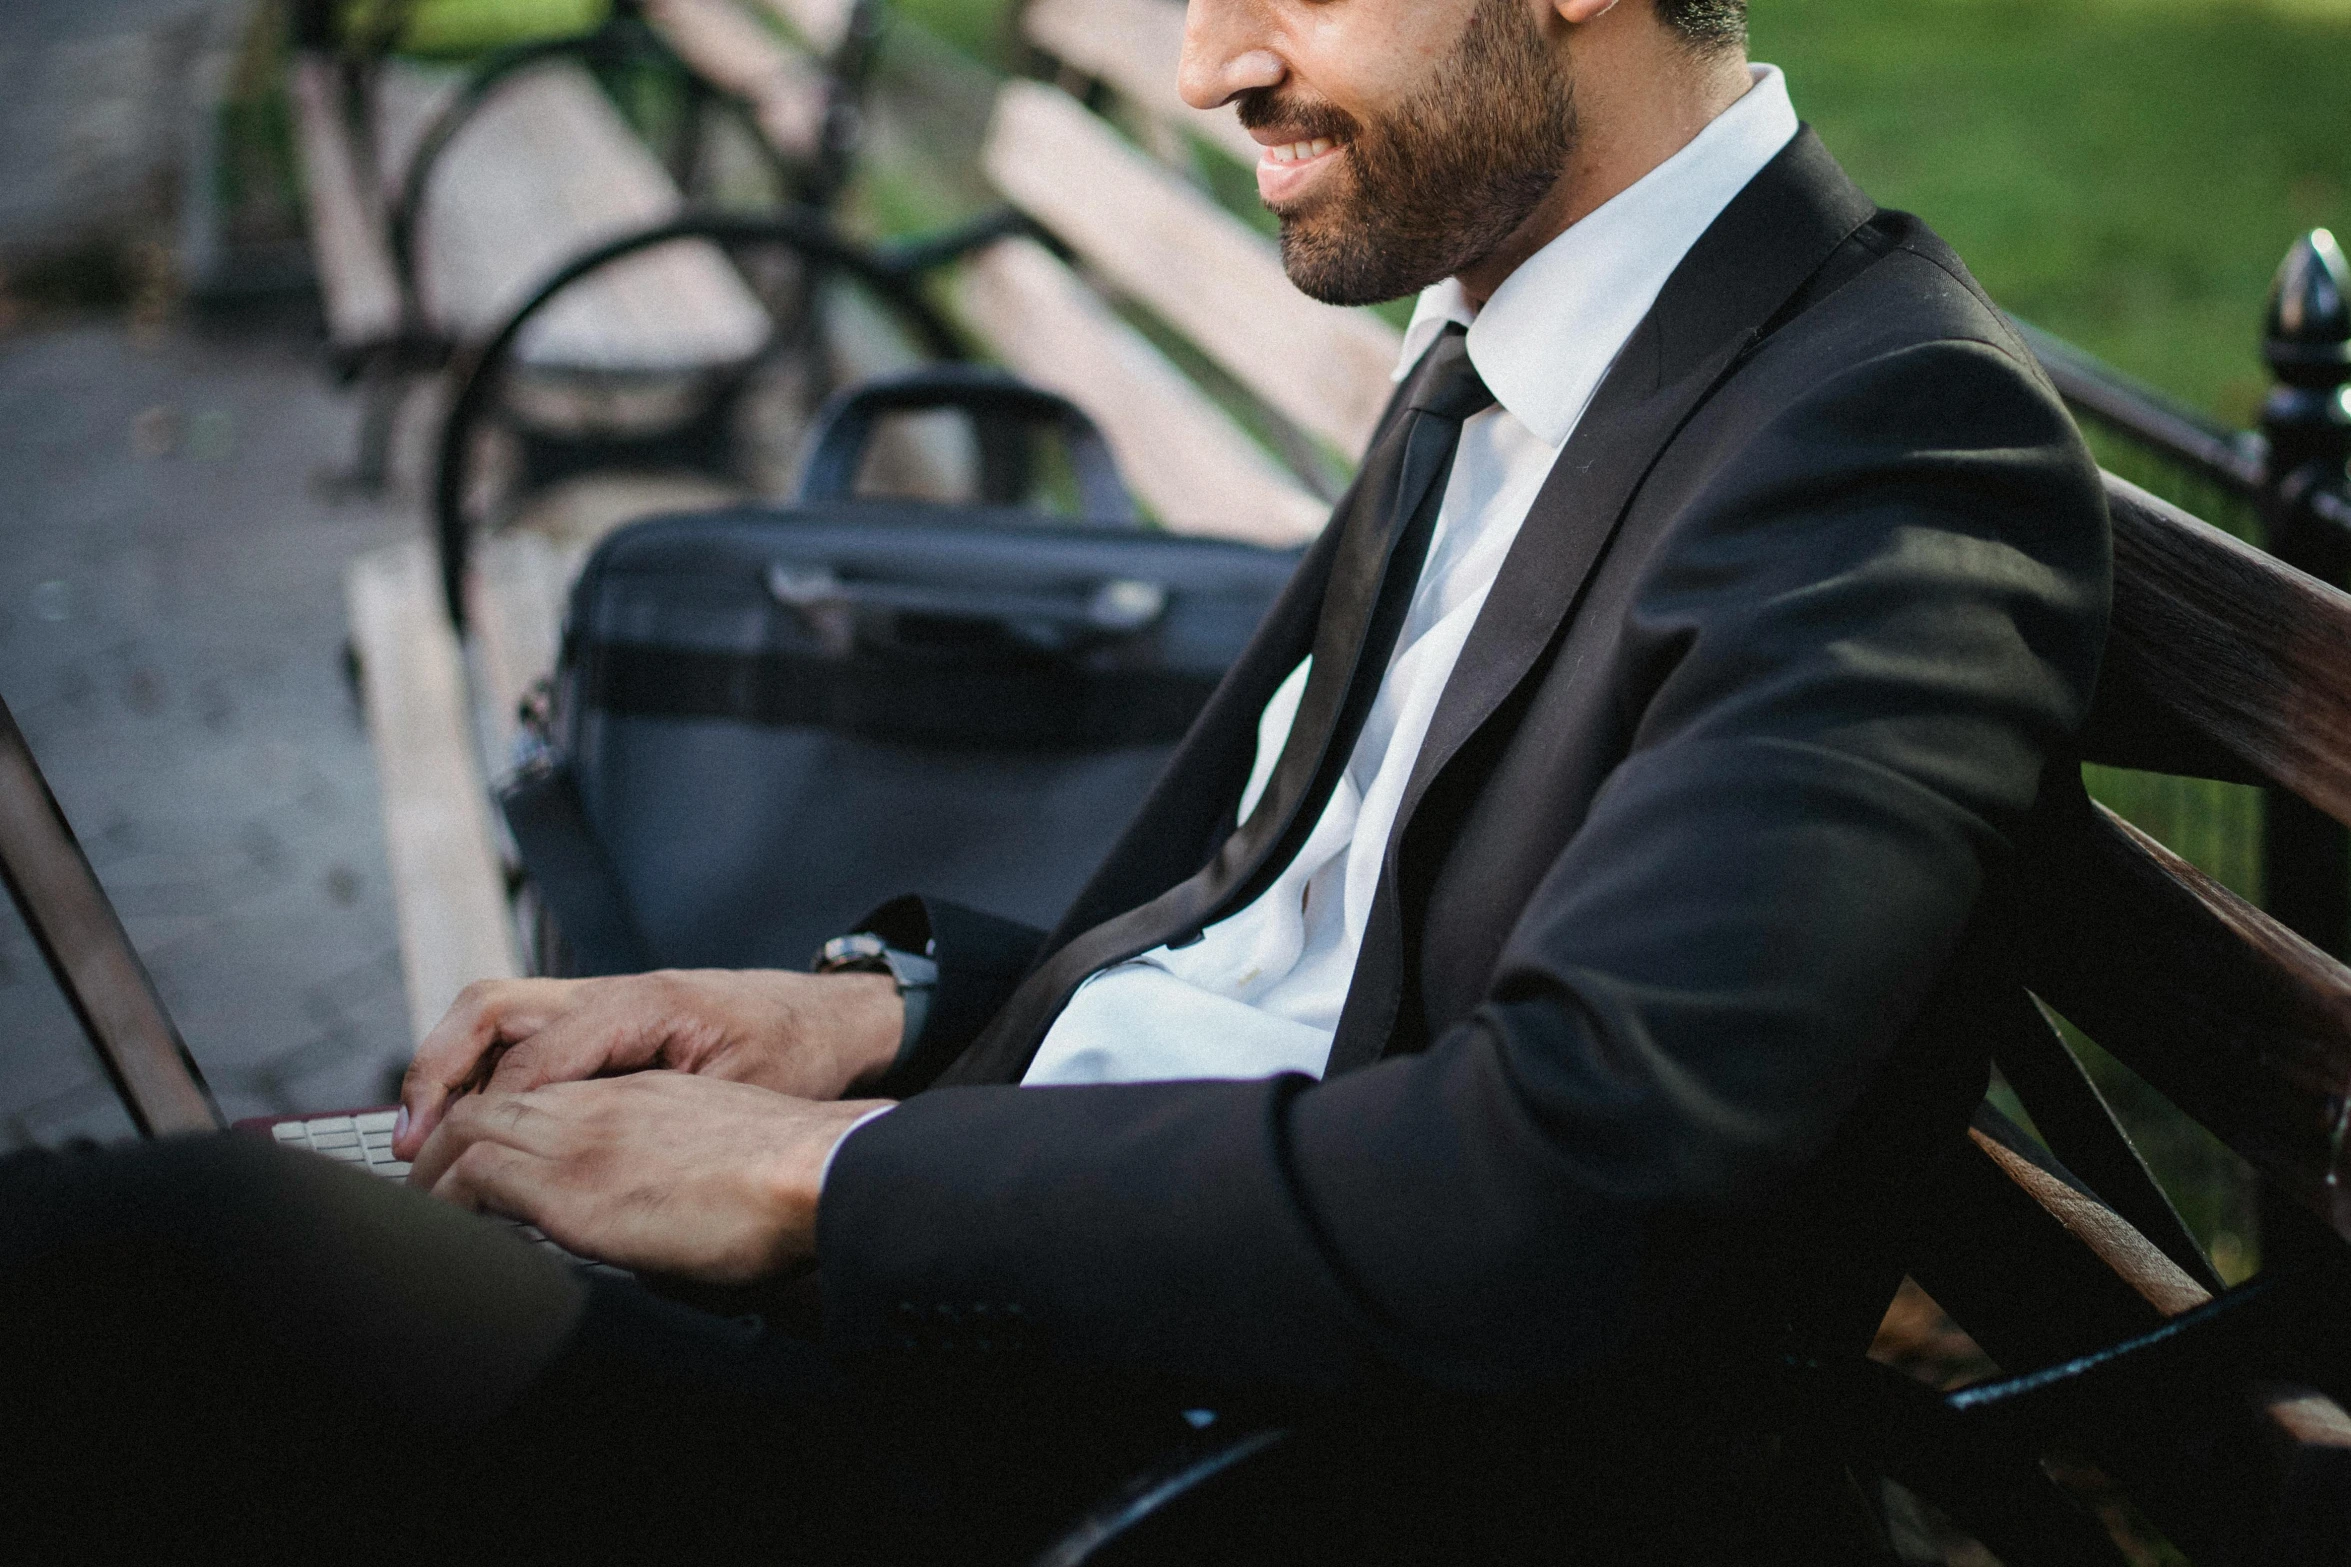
[(82, 938)]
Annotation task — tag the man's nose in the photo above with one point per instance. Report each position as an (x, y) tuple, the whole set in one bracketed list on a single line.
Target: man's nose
[(1225, 52)]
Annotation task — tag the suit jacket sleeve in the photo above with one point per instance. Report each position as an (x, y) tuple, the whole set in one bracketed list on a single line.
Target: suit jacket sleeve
[(981, 959), (1849, 659)]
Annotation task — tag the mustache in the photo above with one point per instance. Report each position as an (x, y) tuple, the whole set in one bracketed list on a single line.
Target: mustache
[(1260, 107)]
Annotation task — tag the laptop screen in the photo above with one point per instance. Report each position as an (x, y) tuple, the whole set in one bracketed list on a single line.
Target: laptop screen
[(78, 932)]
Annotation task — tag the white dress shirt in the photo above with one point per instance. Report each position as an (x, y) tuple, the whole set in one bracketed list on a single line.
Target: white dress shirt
[(1260, 992)]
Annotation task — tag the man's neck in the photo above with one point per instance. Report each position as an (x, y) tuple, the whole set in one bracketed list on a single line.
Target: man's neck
[(1640, 98)]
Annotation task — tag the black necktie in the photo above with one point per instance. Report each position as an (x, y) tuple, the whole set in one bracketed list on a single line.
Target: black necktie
[(1388, 516)]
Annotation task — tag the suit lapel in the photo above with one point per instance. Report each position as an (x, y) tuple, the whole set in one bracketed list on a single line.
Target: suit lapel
[(1773, 237), (1779, 231)]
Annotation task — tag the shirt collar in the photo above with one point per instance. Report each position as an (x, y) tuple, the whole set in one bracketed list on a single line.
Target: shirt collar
[(1548, 336)]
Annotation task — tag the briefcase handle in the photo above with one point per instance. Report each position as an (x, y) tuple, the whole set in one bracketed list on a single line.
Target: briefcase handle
[(997, 403)]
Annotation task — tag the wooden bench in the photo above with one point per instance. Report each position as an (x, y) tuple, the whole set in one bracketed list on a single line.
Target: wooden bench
[(2204, 1406), (1148, 241), (545, 170)]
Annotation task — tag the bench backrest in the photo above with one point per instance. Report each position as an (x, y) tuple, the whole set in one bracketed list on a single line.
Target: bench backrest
[(1132, 47), (2223, 662), (546, 169)]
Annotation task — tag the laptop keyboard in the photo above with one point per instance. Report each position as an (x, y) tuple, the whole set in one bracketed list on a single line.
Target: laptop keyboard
[(362, 1140), (365, 1142)]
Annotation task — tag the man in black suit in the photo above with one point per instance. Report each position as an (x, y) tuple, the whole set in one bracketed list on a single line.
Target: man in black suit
[(1541, 973)]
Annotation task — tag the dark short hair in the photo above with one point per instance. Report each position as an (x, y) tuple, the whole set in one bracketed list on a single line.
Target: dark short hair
[(1706, 24)]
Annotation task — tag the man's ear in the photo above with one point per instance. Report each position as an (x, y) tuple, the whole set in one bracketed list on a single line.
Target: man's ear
[(1577, 12)]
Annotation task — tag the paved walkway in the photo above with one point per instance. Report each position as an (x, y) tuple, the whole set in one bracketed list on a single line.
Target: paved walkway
[(171, 633), (98, 110)]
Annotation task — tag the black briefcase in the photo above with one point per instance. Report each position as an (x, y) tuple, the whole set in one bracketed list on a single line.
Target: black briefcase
[(766, 721)]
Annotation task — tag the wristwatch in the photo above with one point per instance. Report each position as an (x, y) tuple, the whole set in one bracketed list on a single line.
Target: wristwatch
[(915, 974), (866, 953)]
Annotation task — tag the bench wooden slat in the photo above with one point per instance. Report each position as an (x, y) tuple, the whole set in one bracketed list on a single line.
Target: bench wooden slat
[(2309, 1448), (544, 170), (1186, 459), (2296, 1442), (2242, 1023), (1158, 240), (514, 611), (738, 56), (2039, 1272), (357, 280), (2219, 648), (2000, 1235), (928, 455), (409, 95), (1135, 46), (448, 891), (2106, 1235)]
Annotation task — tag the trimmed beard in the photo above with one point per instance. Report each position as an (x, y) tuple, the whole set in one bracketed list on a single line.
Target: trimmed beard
[(1440, 182)]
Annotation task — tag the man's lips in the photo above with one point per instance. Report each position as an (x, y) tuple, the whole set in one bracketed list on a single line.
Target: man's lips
[(1285, 169)]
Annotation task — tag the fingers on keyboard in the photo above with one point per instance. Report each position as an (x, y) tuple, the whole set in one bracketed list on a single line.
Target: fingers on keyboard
[(362, 1140), (366, 1142)]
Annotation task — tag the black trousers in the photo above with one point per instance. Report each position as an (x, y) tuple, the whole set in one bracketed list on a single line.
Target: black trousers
[(211, 1347), (214, 1346)]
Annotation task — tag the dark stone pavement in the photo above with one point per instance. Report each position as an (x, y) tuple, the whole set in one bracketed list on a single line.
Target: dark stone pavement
[(101, 107), (171, 634)]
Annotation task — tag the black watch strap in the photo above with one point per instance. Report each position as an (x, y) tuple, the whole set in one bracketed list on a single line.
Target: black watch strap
[(916, 975)]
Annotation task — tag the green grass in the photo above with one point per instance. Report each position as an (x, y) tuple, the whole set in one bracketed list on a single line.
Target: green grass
[(982, 29), (460, 28), (2128, 173)]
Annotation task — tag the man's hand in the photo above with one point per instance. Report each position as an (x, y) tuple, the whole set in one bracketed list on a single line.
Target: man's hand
[(805, 1035), (658, 1172)]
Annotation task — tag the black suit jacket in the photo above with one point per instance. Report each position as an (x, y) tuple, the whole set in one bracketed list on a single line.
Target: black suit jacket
[(1691, 930)]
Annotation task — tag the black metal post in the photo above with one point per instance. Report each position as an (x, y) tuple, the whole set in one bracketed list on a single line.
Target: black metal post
[(2306, 855)]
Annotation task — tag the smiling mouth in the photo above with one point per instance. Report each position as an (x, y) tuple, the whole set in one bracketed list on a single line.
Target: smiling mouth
[(1300, 151), (1302, 148)]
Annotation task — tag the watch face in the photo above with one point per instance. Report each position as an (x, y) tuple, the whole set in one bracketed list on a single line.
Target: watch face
[(866, 953), (862, 950)]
